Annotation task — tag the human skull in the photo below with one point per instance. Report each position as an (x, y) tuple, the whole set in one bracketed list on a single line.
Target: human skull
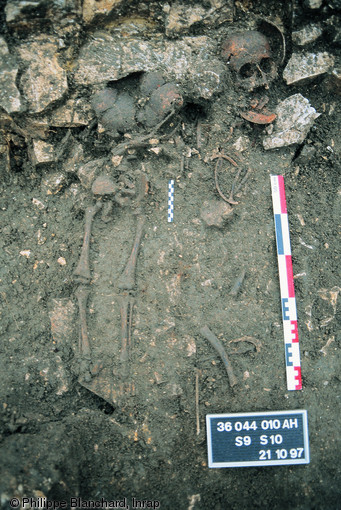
[(249, 55)]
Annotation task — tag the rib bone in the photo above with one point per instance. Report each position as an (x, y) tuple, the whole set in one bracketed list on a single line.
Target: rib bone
[(82, 271), (127, 279), (218, 346)]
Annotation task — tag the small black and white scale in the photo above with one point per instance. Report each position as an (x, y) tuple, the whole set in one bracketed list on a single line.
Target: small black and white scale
[(257, 439)]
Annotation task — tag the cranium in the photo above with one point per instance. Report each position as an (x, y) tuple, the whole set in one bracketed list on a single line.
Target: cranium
[(249, 55)]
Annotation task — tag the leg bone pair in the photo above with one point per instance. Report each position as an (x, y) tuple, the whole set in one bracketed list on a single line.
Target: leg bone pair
[(82, 275), (127, 283), (127, 279)]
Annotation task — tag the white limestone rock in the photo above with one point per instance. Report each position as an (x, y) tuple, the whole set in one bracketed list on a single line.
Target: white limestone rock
[(309, 65), (307, 34), (41, 152), (44, 80), (191, 59), (295, 117), (10, 99)]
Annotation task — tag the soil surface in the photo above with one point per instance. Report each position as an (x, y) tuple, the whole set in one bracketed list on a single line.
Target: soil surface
[(108, 428)]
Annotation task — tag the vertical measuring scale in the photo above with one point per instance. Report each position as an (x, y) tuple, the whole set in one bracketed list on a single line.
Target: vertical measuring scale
[(171, 201), (288, 300)]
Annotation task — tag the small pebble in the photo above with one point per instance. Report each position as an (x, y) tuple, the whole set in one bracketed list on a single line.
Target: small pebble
[(26, 253)]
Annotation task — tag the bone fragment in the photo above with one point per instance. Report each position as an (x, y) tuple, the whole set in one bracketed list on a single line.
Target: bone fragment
[(218, 346), (238, 283), (250, 339)]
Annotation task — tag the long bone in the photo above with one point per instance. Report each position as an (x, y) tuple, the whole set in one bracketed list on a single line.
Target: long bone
[(127, 279), (127, 283), (126, 311), (82, 271), (82, 294)]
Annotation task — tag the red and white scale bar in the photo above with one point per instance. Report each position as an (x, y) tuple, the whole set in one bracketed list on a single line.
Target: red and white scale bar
[(289, 313)]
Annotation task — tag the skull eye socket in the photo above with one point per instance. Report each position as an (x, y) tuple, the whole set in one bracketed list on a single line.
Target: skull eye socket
[(265, 65), (247, 70)]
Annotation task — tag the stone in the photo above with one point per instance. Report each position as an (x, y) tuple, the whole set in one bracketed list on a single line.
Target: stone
[(313, 4), (44, 81), (93, 8), (87, 172), (106, 58), (74, 113), (335, 4), (9, 94), (5, 162), (182, 17), (18, 10), (53, 183), (39, 204), (333, 81), (307, 34), (62, 318), (309, 65), (337, 37), (38, 128), (242, 143), (103, 185), (215, 213), (29, 13), (306, 155), (295, 117), (74, 159), (41, 152), (205, 79), (333, 30)]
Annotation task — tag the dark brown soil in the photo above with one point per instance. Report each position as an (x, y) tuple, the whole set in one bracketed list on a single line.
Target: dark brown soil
[(58, 439)]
